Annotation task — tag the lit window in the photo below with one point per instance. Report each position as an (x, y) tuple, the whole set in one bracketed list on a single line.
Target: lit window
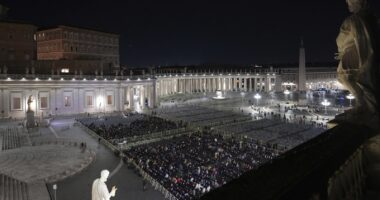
[(89, 101), (16, 103), (109, 99), (67, 101), (65, 70), (44, 102)]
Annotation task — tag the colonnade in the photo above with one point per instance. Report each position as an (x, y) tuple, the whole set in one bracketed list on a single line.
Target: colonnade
[(195, 84)]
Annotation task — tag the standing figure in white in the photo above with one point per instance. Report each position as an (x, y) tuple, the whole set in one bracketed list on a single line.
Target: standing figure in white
[(99, 187)]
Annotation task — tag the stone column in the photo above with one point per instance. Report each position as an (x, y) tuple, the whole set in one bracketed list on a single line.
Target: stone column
[(131, 94), (142, 96)]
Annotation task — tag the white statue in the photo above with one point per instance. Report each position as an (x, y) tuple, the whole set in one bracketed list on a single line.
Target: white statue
[(99, 187)]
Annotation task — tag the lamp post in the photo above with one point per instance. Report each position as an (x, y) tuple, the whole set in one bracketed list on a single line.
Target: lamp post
[(286, 92), (325, 103), (242, 97), (257, 97), (350, 97), (55, 191)]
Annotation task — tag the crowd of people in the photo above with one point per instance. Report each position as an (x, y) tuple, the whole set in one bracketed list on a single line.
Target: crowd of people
[(189, 166), (117, 128), (275, 131), (200, 116)]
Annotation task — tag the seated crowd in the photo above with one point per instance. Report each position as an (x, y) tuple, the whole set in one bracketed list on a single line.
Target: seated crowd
[(189, 166), (276, 132), (117, 128)]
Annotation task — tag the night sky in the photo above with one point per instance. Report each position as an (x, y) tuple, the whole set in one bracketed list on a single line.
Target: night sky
[(155, 32)]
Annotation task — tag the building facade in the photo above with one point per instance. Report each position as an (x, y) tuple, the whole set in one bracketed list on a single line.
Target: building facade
[(78, 44), (73, 94), (63, 96), (17, 44)]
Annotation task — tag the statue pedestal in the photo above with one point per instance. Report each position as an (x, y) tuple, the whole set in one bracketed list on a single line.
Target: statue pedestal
[(30, 123)]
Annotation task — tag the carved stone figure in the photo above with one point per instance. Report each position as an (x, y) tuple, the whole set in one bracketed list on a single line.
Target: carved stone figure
[(99, 187), (358, 69), (30, 101)]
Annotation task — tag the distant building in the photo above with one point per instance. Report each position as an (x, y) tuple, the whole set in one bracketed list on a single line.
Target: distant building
[(88, 50), (17, 44)]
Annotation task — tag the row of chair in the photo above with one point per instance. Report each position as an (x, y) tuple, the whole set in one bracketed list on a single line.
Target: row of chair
[(12, 189)]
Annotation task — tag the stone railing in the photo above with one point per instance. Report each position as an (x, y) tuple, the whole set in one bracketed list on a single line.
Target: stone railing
[(349, 180)]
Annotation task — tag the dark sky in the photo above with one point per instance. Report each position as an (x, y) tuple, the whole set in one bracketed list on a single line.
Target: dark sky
[(155, 32)]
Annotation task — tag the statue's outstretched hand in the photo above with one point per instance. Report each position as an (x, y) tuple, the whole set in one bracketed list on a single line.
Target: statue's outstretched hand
[(113, 191)]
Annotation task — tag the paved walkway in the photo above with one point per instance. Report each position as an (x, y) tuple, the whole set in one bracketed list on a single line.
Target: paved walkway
[(33, 164), (78, 187)]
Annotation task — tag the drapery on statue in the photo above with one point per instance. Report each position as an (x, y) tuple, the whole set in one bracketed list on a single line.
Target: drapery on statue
[(358, 69), (30, 101), (99, 187)]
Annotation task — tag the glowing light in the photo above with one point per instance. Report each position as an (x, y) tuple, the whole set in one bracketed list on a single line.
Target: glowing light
[(325, 103), (350, 97), (286, 92), (49, 79), (219, 95), (257, 96), (62, 79), (99, 100)]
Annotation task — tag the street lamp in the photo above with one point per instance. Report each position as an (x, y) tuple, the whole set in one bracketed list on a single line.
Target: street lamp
[(350, 97), (286, 92), (55, 191), (242, 96), (257, 97), (325, 103)]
